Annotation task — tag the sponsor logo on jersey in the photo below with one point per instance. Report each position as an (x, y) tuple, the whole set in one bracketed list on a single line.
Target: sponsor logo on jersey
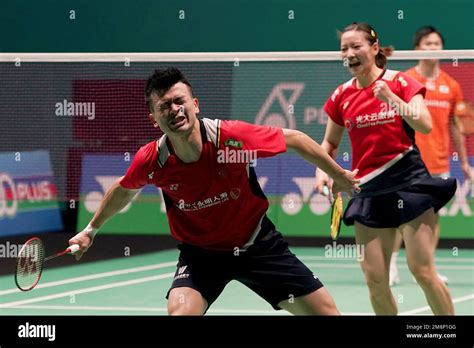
[(403, 81), (205, 203), (235, 193), (349, 124), (375, 119), (181, 273), (444, 89), (234, 143), (444, 104), (430, 85)]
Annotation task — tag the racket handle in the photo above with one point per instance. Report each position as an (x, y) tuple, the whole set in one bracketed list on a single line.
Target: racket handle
[(325, 190), (73, 248)]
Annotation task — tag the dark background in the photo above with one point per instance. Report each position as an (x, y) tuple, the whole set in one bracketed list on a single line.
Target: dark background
[(218, 25)]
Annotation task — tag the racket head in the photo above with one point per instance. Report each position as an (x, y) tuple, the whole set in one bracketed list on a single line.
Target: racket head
[(336, 216), (29, 264)]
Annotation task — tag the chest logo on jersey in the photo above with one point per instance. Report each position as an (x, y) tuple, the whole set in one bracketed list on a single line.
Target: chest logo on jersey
[(205, 203), (150, 176), (384, 116), (430, 85), (235, 193), (444, 89), (233, 143), (344, 106), (443, 104), (174, 187), (403, 81), (349, 124), (233, 152)]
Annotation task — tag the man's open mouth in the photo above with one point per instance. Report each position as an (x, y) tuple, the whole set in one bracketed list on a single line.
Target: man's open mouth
[(177, 122)]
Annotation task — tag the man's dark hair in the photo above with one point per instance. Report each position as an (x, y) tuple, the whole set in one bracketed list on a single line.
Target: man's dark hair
[(161, 81), (425, 31)]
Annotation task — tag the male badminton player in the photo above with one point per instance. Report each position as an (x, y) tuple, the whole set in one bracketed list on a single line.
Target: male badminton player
[(215, 207), (381, 109)]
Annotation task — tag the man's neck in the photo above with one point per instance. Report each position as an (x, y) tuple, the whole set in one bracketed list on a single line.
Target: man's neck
[(428, 69), (188, 147)]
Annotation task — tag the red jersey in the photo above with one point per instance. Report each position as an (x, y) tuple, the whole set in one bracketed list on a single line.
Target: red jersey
[(379, 136), (443, 98), (216, 202)]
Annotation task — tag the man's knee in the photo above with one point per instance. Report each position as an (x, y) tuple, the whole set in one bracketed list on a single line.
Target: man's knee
[(183, 309), (186, 301), (319, 302)]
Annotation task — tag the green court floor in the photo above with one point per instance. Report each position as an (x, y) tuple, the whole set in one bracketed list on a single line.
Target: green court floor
[(137, 285)]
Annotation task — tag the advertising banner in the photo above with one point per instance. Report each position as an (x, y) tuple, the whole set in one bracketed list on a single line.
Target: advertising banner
[(292, 95), (28, 194), (146, 214)]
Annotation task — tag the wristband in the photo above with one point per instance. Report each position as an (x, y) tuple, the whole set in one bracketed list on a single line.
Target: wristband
[(91, 231)]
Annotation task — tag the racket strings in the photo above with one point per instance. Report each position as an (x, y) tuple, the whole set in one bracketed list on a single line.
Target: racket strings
[(29, 264)]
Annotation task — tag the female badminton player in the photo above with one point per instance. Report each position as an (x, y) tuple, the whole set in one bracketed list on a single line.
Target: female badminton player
[(381, 109)]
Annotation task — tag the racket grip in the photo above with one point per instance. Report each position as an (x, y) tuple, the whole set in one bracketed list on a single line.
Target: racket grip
[(74, 248), (325, 190)]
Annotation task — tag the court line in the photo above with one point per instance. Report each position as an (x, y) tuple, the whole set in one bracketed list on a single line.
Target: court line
[(92, 289), (169, 264), (442, 259), (86, 290), (141, 309), (162, 309), (350, 265), (425, 308), (157, 277), (93, 308), (94, 276)]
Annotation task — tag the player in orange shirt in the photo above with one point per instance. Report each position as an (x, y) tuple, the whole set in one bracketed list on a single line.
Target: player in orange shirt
[(444, 99)]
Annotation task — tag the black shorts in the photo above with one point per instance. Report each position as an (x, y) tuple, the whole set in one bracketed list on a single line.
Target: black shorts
[(393, 209), (267, 267), (398, 195)]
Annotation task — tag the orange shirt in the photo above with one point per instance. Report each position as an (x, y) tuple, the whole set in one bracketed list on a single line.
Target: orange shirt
[(443, 98)]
